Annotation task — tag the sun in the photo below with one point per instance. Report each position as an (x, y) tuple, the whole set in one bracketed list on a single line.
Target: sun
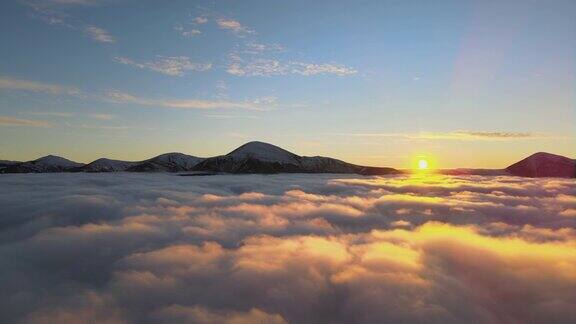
[(422, 164)]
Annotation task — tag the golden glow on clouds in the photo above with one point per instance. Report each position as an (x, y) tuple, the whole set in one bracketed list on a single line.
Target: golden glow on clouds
[(411, 249)]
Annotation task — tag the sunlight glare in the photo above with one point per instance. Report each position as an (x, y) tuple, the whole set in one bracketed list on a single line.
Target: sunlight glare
[(422, 164)]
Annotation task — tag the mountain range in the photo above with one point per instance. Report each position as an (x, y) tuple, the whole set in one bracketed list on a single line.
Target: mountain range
[(259, 157)]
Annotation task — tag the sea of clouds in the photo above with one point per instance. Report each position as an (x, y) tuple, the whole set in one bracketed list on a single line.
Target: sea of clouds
[(160, 248)]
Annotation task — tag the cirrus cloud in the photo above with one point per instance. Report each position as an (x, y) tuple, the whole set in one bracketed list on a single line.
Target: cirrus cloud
[(234, 26), (12, 121), (9, 83), (100, 35), (268, 67), (126, 98), (458, 135), (173, 66)]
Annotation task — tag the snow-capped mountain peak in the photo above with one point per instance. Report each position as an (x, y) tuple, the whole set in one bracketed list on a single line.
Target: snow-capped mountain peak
[(107, 165), (49, 163), (264, 152), (178, 159), (56, 161), (171, 162), (252, 157), (259, 157)]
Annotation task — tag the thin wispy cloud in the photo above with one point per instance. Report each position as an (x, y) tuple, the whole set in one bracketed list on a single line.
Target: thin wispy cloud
[(174, 65), (254, 58), (100, 35), (258, 67), (187, 32), (323, 68), (221, 85), (221, 89), (50, 113), (269, 67), (234, 26), (9, 83), (191, 33), (12, 121), (105, 127), (219, 116), (48, 12), (68, 115), (122, 97), (461, 135), (257, 48), (102, 116), (200, 20), (71, 2), (53, 12)]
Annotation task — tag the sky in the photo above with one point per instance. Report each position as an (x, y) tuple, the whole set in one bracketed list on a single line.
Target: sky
[(467, 83)]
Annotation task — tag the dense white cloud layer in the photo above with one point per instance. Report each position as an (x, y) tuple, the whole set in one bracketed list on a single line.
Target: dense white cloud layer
[(159, 248)]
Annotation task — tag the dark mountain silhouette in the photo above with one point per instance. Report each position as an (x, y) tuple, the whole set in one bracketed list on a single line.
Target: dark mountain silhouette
[(49, 163), (543, 164), (252, 157), (260, 157), (7, 163), (168, 162), (105, 165)]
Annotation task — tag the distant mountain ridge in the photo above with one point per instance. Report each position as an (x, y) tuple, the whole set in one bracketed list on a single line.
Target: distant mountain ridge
[(544, 164), (537, 165), (49, 163), (6, 163), (168, 162), (252, 157), (260, 157), (105, 165)]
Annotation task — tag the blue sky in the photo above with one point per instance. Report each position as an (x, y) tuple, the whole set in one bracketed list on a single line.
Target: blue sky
[(468, 83)]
